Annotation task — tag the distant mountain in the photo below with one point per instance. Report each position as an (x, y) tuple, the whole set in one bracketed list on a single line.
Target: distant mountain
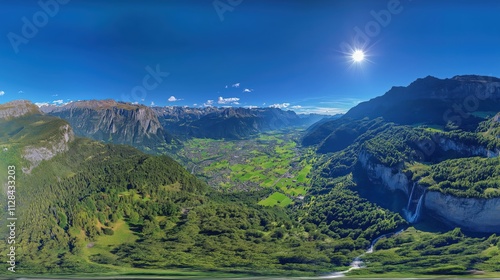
[(114, 122), (434, 101), (462, 101), (142, 126), (228, 123), (36, 136), (18, 108)]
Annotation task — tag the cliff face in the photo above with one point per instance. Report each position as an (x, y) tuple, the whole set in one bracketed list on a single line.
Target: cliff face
[(38, 137), (57, 143), (450, 145), (474, 214), (391, 178), (478, 215), (114, 122)]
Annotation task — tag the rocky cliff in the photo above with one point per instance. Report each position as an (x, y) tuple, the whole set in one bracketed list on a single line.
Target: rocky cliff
[(450, 145), (474, 214), (392, 178), (116, 122), (17, 108), (49, 148), (37, 136)]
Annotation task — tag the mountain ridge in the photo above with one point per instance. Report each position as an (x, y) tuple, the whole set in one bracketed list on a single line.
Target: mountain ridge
[(172, 122), (112, 121), (428, 100), (18, 108)]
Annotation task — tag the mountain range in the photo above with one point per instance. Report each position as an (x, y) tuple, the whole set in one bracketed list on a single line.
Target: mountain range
[(435, 101), (461, 102), (153, 127), (407, 181)]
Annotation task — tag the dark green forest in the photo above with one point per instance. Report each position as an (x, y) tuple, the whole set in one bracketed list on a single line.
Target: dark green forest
[(102, 208), (69, 205)]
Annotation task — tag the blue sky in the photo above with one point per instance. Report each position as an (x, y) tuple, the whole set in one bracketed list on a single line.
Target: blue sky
[(261, 53)]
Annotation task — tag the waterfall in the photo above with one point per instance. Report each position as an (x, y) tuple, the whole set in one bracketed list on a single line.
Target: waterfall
[(413, 217), (411, 195), (358, 263)]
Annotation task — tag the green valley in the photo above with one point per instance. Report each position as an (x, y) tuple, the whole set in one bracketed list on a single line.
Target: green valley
[(362, 197), (99, 208), (269, 161)]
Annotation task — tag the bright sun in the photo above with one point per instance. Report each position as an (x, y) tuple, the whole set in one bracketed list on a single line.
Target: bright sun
[(358, 56)]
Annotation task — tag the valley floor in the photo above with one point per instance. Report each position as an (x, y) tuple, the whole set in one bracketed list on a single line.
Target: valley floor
[(271, 160)]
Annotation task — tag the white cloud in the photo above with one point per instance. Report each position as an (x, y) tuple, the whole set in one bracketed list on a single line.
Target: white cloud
[(20, 92), (194, 105), (173, 99), (248, 90), (296, 107), (230, 100), (280, 106), (251, 107), (320, 110), (2, 92), (209, 103), (135, 103), (237, 85), (152, 103), (226, 86), (59, 102), (55, 95)]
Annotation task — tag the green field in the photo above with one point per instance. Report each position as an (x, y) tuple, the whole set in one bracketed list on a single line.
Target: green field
[(99, 250), (276, 198), (271, 160)]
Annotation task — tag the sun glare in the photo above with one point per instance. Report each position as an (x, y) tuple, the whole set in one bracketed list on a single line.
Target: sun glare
[(358, 56)]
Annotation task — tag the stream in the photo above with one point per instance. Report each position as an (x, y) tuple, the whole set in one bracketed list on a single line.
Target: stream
[(357, 263)]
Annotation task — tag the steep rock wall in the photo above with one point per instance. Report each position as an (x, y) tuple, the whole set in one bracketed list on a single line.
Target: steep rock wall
[(136, 126), (474, 214), (57, 144), (392, 178), (448, 144)]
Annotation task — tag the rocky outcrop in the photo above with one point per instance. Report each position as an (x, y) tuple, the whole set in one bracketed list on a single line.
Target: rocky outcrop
[(392, 178), (58, 143), (17, 108), (116, 122), (474, 214), (450, 145)]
